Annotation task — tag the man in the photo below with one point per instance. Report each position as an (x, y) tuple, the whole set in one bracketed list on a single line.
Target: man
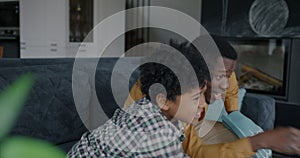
[(245, 147), (229, 57), (226, 88)]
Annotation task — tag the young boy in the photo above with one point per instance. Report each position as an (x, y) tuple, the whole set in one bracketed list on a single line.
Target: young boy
[(150, 127)]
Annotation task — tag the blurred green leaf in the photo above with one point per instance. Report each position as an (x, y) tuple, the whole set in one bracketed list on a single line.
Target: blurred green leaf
[(12, 100), (22, 147)]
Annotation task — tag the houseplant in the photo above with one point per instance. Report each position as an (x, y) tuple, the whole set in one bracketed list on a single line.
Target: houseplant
[(11, 103)]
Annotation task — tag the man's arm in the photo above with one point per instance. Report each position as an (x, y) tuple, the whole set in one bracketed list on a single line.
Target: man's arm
[(231, 97), (283, 140), (194, 148), (135, 94)]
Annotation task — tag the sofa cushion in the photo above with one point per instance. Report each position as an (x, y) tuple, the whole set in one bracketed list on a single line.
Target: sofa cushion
[(260, 109), (49, 112)]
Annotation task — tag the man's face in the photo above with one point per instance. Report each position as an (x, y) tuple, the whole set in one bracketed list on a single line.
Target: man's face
[(229, 65), (219, 83)]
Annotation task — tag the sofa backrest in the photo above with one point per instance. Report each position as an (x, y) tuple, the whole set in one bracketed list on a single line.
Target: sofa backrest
[(50, 113)]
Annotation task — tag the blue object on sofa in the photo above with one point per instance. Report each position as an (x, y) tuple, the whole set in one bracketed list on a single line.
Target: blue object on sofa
[(259, 108)]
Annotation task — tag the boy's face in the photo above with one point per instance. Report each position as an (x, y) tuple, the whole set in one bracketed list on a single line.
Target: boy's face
[(188, 107)]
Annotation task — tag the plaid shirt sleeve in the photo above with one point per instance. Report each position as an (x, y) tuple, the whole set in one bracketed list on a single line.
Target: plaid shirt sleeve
[(140, 131)]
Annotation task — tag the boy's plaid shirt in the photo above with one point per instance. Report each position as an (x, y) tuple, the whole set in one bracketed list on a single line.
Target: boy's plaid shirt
[(139, 131)]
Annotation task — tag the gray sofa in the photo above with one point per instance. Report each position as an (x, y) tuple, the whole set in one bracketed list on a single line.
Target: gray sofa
[(50, 113)]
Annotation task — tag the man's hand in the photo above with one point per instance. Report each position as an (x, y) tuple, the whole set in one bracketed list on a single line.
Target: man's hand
[(283, 140)]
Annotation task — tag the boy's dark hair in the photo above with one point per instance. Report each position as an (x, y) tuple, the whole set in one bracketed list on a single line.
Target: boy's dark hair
[(225, 48), (152, 73)]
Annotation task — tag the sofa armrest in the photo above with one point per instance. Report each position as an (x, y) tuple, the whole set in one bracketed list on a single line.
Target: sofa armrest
[(260, 109)]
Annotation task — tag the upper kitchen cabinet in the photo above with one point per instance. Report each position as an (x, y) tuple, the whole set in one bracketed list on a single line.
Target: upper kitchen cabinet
[(32, 22), (64, 28), (43, 28)]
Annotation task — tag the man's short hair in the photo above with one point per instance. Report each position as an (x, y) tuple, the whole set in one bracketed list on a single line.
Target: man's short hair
[(225, 48)]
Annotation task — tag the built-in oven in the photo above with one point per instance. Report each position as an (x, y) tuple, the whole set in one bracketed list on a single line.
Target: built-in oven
[(9, 29)]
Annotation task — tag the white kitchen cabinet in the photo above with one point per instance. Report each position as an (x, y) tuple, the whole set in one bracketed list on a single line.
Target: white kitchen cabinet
[(43, 28), (42, 52), (56, 22)]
